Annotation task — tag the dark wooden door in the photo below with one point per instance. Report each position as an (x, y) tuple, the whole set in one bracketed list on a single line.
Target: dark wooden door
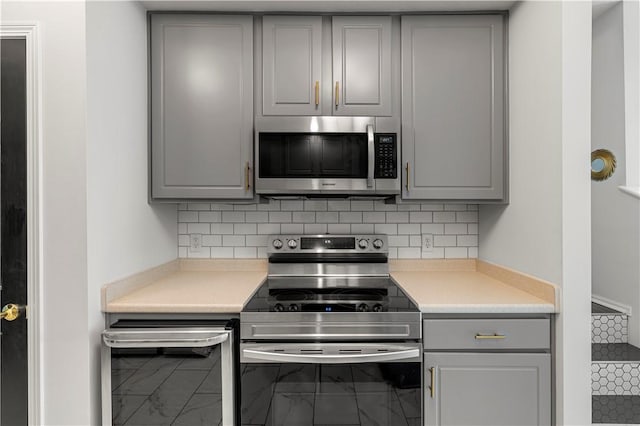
[(13, 231)]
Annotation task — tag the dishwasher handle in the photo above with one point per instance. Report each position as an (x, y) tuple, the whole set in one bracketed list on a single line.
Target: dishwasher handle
[(165, 338)]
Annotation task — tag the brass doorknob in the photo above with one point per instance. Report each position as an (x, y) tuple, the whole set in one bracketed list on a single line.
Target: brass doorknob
[(10, 312)]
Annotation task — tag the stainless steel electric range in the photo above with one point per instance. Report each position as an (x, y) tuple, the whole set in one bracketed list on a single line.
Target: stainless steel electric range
[(330, 338)]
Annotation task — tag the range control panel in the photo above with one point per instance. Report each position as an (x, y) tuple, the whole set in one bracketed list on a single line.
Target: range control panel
[(327, 243), (386, 154)]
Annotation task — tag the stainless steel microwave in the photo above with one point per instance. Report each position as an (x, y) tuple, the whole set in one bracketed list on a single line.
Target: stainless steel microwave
[(316, 156)]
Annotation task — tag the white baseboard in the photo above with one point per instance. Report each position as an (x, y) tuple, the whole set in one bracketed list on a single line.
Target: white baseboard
[(600, 300)]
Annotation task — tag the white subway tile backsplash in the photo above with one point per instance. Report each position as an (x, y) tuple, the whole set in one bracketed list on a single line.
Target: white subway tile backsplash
[(339, 228), (292, 228), (240, 230), (233, 240), (444, 217), (350, 217), (198, 228), (292, 205), (256, 217), (339, 205), (268, 228), (187, 216), (233, 217), (304, 217), (362, 228), (245, 228), (455, 228), (221, 228), (327, 217), (374, 217), (209, 217), (398, 217), (421, 217)]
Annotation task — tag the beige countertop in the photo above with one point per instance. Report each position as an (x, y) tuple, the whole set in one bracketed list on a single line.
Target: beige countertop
[(224, 286)]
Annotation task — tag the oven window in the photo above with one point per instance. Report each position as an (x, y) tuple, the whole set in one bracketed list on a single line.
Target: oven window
[(177, 386), (384, 394), (294, 155)]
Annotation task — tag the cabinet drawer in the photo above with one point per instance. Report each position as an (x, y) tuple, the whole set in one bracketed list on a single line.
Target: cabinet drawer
[(480, 334)]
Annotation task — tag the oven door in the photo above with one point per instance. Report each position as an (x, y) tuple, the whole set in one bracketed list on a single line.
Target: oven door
[(331, 383), (168, 375)]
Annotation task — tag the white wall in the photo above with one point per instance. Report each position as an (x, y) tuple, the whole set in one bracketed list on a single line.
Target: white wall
[(544, 231), (125, 233), (615, 215), (64, 350)]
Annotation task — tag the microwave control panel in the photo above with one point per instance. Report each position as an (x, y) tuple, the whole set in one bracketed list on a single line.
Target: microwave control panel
[(386, 154)]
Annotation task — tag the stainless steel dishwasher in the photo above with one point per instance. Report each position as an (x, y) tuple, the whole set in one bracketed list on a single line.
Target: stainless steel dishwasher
[(178, 372)]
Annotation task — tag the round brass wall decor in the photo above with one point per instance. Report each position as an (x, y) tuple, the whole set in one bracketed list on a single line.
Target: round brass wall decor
[(603, 164)]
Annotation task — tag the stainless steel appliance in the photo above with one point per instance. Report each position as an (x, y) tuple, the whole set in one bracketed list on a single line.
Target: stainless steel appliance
[(178, 372), (326, 156), (329, 338)]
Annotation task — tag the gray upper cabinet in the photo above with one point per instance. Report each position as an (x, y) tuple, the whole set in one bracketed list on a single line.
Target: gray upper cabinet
[(453, 131), (326, 66), (362, 65), (292, 60), (201, 106)]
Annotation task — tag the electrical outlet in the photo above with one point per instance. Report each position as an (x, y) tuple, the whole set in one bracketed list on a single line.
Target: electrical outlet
[(427, 243), (195, 240)]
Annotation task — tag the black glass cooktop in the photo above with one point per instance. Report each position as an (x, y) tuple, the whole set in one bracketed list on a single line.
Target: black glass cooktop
[(388, 298)]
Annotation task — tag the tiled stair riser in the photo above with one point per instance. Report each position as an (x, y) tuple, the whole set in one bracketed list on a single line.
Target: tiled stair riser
[(615, 378), (609, 328)]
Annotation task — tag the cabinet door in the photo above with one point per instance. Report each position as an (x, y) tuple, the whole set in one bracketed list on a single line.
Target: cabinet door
[(487, 389), (362, 65), (453, 133), (292, 56), (201, 106)]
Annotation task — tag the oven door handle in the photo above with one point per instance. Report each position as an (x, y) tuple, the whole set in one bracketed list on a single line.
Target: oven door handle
[(331, 359), (371, 159), (164, 338)]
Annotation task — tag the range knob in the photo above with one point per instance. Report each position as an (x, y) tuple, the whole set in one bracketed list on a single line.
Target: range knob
[(377, 243), (292, 244), (277, 244), (363, 244), (278, 307), (293, 307), (377, 307), (363, 307)]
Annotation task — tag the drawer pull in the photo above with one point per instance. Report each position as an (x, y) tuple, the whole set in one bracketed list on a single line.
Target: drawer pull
[(490, 336), (432, 388)]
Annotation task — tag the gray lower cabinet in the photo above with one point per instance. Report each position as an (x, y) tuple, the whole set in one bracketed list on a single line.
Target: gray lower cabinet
[(201, 106), (487, 389), (487, 371), (453, 124)]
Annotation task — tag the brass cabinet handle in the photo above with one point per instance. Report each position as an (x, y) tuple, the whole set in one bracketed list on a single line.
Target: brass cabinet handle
[(317, 93), (490, 336), (406, 184), (337, 94), (247, 184), (10, 312), (432, 388)]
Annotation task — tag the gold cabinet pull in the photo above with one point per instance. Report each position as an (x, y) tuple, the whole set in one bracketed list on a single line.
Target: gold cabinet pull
[(406, 184), (247, 184), (10, 312), (337, 94), (432, 388), (317, 90), (495, 336)]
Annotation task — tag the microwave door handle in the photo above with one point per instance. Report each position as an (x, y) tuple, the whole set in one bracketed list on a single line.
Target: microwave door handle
[(266, 355), (371, 152)]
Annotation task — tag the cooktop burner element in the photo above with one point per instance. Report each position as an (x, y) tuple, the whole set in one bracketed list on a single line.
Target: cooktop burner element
[(328, 278)]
